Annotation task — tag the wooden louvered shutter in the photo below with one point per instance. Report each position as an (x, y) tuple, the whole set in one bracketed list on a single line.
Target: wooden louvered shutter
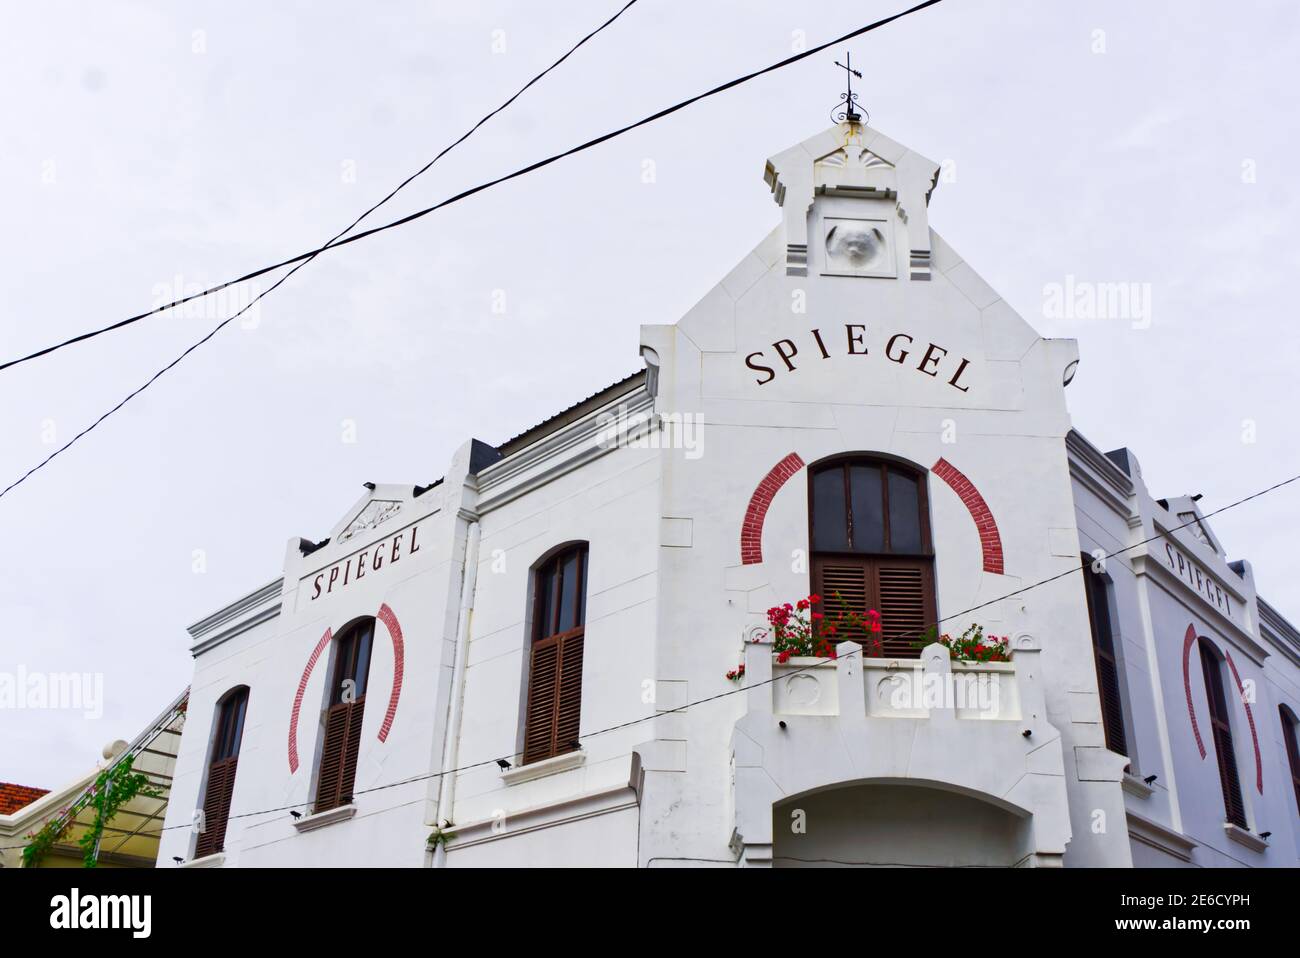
[(338, 760), (845, 584), (1224, 752), (216, 807), (568, 708), (905, 601), (539, 728), (901, 590), (554, 697)]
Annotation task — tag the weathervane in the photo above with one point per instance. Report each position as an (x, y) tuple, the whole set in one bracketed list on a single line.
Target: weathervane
[(848, 99)]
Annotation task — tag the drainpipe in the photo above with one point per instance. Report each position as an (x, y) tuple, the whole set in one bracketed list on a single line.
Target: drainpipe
[(451, 745)]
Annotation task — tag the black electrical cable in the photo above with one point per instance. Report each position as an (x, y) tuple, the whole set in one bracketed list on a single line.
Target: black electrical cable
[(308, 256)]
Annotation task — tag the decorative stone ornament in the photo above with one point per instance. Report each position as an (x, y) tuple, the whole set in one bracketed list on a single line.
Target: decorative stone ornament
[(870, 178)]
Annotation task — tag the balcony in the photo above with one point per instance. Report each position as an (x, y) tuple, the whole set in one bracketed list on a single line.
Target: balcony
[(972, 735)]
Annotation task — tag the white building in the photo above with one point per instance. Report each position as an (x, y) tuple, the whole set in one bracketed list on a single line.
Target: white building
[(851, 409)]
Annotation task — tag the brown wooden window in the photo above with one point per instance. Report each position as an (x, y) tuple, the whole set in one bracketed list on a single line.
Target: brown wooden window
[(1212, 667), (1289, 723), (1096, 587), (871, 544), (555, 660), (344, 713), (221, 771)]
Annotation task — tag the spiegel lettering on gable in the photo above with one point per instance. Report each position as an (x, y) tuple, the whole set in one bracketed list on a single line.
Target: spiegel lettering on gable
[(931, 359), (368, 561)]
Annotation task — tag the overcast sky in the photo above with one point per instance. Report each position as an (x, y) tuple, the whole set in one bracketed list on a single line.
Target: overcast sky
[(146, 147)]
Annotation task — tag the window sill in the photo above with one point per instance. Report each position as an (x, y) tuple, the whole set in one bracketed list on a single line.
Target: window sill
[(328, 817), (215, 860), (547, 766), (1244, 837), (1135, 786)]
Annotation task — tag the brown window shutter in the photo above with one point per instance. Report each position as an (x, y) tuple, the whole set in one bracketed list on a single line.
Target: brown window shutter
[(554, 697), (216, 807), (901, 590), (905, 601), (1112, 713), (539, 730), (338, 760), (849, 579), (351, 750), (568, 710), (1103, 649)]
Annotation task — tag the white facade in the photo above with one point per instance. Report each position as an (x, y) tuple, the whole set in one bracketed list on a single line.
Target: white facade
[(852, 328)]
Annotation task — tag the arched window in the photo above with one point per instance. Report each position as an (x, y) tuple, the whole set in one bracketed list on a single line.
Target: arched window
[(871, 544), (1097, 588), (1289, 724), (555, 659), (228, 734), (344, 712), (1220, 723)]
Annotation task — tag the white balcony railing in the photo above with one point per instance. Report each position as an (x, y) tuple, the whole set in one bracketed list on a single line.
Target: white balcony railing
[(891, 687)]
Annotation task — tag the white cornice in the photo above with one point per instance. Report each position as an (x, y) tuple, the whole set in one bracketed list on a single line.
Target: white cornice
[(238, 617), (1090, 466)]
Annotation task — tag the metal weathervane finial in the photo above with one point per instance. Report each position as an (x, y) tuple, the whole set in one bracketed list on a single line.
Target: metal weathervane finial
[(847, 109)]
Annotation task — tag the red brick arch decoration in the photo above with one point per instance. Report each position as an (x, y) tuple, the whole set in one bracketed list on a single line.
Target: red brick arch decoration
[(990, 538), (751, 532), (385, 616)]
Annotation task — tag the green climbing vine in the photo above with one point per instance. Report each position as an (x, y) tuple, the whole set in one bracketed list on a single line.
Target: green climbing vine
[(113, 788)]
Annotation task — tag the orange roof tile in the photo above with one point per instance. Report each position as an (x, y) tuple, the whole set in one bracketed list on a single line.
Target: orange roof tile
[(14, 797)]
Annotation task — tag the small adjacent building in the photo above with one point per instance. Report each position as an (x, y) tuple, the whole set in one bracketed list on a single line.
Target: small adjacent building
[(130, 833), (526, 661)]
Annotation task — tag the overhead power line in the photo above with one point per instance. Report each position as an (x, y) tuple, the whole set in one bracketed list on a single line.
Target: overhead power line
[(300, 262), (304, 258), (337, 242), (916, 634)]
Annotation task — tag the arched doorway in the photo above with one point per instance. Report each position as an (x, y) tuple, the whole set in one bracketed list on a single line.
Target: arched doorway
[(903, 825)]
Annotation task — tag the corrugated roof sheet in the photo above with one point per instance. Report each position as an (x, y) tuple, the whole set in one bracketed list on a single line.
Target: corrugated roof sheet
[(570, 413)]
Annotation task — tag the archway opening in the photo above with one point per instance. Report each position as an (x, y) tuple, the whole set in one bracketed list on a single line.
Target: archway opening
[(876, 825)]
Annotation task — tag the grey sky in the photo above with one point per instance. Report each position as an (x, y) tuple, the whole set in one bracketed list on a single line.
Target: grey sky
[(127, 159)]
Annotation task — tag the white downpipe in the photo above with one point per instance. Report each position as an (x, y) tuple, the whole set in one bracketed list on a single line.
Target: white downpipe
[(451, 746)]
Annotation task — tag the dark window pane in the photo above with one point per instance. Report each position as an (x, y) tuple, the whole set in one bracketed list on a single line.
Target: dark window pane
[(238, 734), (232, 725), (1100, 610), (830, 523), (904, 513), (582, 592), (362, 673), (868, 509), (568, 592), (545, 601)]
